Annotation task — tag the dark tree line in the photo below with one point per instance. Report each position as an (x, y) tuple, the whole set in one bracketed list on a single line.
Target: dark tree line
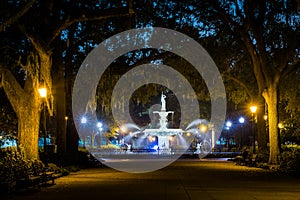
[(254, 43)]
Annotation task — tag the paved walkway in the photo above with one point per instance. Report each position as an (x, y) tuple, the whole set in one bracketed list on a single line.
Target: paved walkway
[(184, 179)]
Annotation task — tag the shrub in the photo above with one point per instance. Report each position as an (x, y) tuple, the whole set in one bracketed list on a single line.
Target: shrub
[(13, 165), (263, 157), (290, 160)]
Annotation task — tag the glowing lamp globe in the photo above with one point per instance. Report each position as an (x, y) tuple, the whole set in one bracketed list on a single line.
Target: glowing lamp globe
[(43, 92)]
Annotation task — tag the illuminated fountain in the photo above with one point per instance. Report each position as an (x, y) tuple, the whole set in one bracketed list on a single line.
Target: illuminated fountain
[(163, 134), (152, 148), (165, 138)]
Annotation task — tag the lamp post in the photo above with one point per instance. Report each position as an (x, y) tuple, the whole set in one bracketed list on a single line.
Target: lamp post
[(280, 127), (83, 121), (205, 145), (99, 126), (266, 123), (253, 110), (213, 136), (228, 125), (66, 122), (66, 133), (43, 94), (241, 121)]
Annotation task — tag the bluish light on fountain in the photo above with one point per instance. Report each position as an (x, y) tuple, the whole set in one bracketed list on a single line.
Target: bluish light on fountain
[(193, 130), (183, 141), (128, 126), (127, 138), (140, 140), (155, 147), (137, 136), (134, 133)]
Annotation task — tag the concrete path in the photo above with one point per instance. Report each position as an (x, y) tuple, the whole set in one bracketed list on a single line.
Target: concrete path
[(184, 179)]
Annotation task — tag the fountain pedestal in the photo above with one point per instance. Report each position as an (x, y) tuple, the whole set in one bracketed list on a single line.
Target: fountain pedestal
[(163, 143)]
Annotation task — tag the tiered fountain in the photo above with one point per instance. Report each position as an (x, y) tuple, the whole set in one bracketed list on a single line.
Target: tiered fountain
[(163, 133), (145, 161)]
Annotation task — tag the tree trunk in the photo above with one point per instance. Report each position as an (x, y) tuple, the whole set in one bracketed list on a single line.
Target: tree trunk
[(261, 127), (27, 102), (28, 128), (72, 137), (271, 98), (60, 115), (26, 105)]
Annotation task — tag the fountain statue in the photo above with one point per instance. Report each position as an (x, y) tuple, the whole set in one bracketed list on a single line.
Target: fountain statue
[(163, 114), (163, 102)]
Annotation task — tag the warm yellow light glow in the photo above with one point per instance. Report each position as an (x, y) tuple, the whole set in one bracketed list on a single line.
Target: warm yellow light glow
[(253, 109), (43, 92), (66, 118), (203, 128), (188, 134), (265, 117), (280, 125), (123, 129), (153, 138)]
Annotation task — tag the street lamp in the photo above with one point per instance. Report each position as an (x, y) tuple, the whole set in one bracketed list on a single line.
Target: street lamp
[(253, 110), (203, 128), (280, 126), (265, 117), (83, 121), (228, 125), (241, 121), (43, 94), (99, 126)]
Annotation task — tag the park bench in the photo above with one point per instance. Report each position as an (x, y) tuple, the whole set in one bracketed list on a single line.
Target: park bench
[(37, 175), (240, 160), (32, 180), (50, 173), (53, 172), (250, 160), (27, 181)]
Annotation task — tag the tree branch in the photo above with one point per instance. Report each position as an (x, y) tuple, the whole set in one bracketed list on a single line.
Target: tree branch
[(290, 69), (241, 83), (12, 88), (121, 12), (16, 17), (35, 41)]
